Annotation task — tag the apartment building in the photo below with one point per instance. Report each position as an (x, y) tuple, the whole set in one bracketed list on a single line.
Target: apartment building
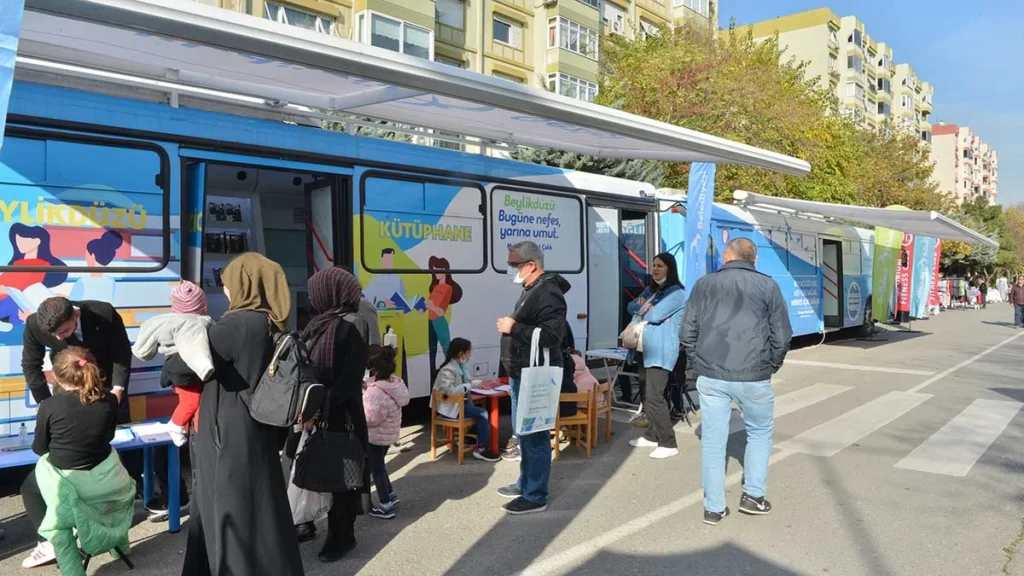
[(542, 43), (965, 166), (858, 69)]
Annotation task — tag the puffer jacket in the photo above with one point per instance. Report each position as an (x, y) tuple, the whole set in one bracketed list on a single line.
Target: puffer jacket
[(182, 334), (383, 402), (99, 503), (541, 305)]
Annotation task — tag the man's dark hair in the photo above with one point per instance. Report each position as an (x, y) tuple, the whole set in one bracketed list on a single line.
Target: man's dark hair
[(387, 251), (53, 312), (742, 249)]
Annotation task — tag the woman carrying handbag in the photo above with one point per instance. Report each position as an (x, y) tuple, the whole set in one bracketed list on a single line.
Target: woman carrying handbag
[(337, 338)]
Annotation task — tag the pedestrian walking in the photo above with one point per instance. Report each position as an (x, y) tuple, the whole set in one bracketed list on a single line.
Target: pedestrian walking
[(1017, 302), (541, 305), (736, 330)]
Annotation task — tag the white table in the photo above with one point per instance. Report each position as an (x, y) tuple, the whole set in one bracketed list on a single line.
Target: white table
[(618, 356)]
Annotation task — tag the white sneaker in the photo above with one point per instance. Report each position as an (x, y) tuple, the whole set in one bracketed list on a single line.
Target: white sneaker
[(42, 555), (661, 453), (642, 442), (179, 434)]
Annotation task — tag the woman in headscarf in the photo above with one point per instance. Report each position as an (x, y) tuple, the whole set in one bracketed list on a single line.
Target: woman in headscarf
[(337, 337), (240, 521)]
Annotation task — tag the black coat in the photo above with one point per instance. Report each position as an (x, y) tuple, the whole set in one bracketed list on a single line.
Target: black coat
[(736, 325), (103, 334), (240, 522), (541, 305)]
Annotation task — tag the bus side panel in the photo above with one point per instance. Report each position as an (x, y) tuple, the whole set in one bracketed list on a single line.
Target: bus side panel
[(72, 201), (800, 284), (431, 254)]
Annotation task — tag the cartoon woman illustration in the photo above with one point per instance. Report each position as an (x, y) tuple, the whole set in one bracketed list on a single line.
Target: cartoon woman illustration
[(97, 285), (31, 246), (444, 292)]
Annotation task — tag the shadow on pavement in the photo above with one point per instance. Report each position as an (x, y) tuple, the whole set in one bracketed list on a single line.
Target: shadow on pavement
[(725, 559)]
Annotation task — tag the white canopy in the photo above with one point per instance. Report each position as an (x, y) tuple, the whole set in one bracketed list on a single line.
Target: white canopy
[(917, 222), (208, 48)]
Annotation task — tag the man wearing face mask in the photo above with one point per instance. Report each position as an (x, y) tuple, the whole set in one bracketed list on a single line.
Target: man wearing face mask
[(541, 305)]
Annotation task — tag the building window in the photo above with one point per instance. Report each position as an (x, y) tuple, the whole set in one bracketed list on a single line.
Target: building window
[(508, 33), (568, 35), (396, 35), (451, 13), (885, 85), (855, 90), (507, 77), (293, 17), (884, 109), (855, 38), (833, 36), (907, 101), (614, 18), (833, 64), (450, 61), (592, 3), (855, 63), (699, 6), (572, 87), (648, 30)]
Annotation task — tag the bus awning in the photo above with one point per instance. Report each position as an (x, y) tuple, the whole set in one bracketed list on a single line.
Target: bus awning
[(917, 222), (188, 43)]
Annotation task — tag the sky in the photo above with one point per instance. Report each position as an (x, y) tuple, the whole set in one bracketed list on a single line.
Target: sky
[(970, 51)]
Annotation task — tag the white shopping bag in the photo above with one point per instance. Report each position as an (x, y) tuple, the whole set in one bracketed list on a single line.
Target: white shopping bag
[(306, 506), (539, 388)]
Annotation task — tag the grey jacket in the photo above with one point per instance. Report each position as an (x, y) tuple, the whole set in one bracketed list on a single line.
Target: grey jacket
[(736, 325)]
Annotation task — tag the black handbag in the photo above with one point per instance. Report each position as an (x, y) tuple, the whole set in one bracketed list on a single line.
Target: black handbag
[(333, 458)]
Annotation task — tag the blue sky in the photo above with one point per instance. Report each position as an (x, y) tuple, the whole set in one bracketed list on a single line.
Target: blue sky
[(969, 50)]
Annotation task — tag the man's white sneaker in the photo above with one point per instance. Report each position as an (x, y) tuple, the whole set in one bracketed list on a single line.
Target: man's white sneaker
[(642, 442), (661, 453), (42, 554)]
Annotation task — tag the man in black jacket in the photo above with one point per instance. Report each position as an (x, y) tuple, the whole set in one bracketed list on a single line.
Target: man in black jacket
[(96, 326), (541, 305), (736, 332)]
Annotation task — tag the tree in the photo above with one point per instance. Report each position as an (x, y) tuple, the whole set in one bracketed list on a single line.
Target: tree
[(990, 220), (640, 170)]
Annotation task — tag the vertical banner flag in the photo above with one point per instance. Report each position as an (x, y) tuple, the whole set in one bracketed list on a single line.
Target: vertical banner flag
[(921, 283), (905, 274), (10, 28), (883, 271), (700, 196), (933, 291)]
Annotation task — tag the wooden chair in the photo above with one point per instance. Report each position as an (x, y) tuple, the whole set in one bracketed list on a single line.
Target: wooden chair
[(451, 426), (602, 407), (581, 422)]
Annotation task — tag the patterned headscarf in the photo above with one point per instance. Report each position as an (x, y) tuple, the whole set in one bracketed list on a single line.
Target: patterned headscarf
[(255, 282), (333, 293)]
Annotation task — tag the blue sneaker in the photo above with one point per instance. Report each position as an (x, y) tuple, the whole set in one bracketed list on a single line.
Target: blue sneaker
[(383, 511), (394, 500)]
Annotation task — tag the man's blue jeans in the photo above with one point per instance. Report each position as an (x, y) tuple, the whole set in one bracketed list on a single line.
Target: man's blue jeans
[(757, 401), (1018, 314), (535, 466)]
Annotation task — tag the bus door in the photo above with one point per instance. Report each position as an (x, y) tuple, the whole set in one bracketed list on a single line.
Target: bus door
[(832, 282)]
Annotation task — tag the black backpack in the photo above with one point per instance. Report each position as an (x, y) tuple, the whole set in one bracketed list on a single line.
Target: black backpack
[(288, 388)]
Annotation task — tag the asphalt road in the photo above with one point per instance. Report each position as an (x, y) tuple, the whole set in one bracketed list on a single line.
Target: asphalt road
[(900, 457)]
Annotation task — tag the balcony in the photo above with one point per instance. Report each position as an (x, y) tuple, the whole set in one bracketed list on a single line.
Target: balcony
[(658, 7), (510, 53), (521, 4), (449, 35), (924, 105)]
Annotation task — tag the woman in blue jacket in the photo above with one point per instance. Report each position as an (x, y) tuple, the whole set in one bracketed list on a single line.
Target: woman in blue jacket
[(660, 307)]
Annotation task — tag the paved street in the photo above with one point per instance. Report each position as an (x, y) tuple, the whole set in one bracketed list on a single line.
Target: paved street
[(900, 457)]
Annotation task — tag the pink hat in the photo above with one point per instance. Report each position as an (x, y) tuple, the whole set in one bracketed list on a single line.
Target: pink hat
[(188, 298)]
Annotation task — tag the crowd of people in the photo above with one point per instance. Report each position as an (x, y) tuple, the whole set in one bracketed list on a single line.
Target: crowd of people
[(733, 330)]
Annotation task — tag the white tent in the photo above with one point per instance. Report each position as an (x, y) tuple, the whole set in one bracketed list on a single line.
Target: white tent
[(917, 222), (213, 51)]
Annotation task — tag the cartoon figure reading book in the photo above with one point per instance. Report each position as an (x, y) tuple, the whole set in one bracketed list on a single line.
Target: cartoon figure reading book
[(21, 292)]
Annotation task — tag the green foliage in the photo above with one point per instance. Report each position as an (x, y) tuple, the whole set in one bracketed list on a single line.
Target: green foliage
[(1003, 226)]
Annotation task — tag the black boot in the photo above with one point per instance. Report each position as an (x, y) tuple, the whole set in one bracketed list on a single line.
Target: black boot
[(336, 547), (306, 532)]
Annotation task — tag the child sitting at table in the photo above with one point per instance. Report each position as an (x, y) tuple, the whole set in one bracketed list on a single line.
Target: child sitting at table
[(454, 378), (582, 376), (73, 432)]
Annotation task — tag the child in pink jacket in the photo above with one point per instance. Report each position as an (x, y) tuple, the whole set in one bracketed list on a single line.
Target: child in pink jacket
[(382, 401), (582, 377)]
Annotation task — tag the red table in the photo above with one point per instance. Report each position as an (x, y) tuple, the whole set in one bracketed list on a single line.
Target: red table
[(493, 405)]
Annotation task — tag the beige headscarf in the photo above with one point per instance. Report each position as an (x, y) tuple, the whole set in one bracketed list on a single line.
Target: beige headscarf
[(256, 283)]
